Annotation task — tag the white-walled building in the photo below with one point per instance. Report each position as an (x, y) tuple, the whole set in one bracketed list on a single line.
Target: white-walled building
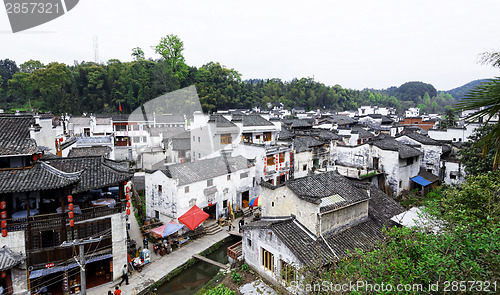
[(210, 184), (397, 161), (431, 149)]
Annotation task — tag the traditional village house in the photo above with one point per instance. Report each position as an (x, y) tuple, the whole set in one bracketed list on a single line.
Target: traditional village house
[(313, 221), (388, 163), (211, 184), (34, 195)]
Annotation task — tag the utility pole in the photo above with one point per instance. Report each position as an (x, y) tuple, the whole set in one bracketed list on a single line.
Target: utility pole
[(81, 262)]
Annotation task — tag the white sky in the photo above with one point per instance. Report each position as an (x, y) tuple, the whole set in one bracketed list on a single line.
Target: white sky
[(355, 43)]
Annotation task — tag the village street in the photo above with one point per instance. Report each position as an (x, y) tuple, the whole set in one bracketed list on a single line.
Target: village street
[(160, 265)]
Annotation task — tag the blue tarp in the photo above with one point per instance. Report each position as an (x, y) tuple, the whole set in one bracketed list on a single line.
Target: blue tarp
[(171, 228), (420, 180)]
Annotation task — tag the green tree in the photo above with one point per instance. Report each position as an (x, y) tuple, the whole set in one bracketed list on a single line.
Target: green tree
[(472, 156), (30, 66), (137, 53), (449, 120), (171, 48), (485, 98)]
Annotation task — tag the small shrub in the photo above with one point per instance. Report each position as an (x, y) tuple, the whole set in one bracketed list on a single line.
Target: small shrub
[(244, 267), (220, 290), (236, 277)]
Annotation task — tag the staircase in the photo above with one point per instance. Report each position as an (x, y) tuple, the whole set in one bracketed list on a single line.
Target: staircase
[(247, 212), (212, 229)]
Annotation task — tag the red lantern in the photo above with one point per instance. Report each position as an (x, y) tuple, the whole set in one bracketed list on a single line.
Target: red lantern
[(70, 214), (70, 199), (3, 214), (70, 206), (71, 222), (4, 232), (4, 223), (128, 211), (3, 205), (127, 196), (4, 274), (128, 204), (125, 183), (127, 190)]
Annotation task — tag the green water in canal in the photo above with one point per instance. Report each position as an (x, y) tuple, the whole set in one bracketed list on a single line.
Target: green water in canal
[(193, 278)]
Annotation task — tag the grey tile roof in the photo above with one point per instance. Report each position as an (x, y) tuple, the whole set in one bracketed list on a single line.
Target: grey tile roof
[(170, 119), (90, 151), (305, 143), (321, 134), (220, 121), (297, 123), (314, 188), (381, 207), (390, 144), (200, 170), (308, 248), (40, 177), (85, 121), (15, 135), (285, 134), (422, 138), (362, 132), (252, 120), (181, 144), (427, 175), (97, 172), (363, 235), (340, 119)]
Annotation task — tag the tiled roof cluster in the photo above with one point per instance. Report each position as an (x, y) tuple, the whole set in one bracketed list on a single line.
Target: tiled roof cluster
[(15, 135), (220, 121), (97, 172), (90, 151), (316, 187), (252, 120), (39, 177), (200, 170)]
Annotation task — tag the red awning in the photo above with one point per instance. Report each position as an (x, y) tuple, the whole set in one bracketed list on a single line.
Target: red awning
[(194, 217)]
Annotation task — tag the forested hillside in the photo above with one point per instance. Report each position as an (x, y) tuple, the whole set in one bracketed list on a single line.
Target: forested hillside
[(460, 92), (101, 88)]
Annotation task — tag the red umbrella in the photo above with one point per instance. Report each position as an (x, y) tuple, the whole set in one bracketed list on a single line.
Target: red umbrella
[(194, 217)]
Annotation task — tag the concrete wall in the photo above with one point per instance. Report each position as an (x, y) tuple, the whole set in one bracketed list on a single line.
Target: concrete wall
[(431, 154), (335, 219), (453, 134), (119, 240), (301, 159), (453, 168), (283, 202), (266, 239)]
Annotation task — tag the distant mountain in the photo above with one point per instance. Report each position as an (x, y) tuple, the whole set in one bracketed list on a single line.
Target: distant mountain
[(460, 92)]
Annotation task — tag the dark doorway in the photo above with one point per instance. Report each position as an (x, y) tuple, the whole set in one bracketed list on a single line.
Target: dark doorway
[(245, 199), (211, 210), (282, 179)]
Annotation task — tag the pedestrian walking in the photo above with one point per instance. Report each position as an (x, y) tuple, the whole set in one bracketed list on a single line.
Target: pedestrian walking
[(241, 223), (124, 276), (145, 242), (117, 291)]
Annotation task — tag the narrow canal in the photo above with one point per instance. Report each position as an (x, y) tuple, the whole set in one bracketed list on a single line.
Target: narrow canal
[(192, 279)]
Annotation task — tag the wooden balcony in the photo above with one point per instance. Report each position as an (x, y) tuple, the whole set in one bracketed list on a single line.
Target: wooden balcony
[(235, 251), (58, 220)]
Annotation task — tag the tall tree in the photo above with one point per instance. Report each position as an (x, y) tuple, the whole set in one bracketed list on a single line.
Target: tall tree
[(137, 53)]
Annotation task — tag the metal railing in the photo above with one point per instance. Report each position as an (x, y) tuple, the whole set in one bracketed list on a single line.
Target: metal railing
[(235, 251)]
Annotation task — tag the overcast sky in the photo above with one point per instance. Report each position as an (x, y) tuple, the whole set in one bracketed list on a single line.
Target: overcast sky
[(356, 44)]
